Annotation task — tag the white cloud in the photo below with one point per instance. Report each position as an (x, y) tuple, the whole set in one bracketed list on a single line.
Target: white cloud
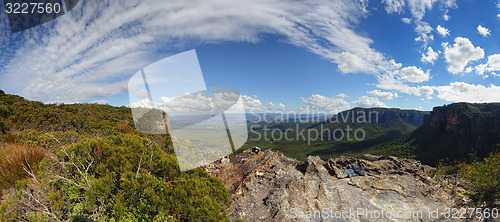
[(100, 102), (446, 17), (430, 56), (450, 3), (390, 81), (442, 31), (383, 95), (367, 102), (332, 105), (460, 54), (394, 6), (275, 107), (483, 31), (352, 63), (91, 53), (465, 92), (418, 7), (177, 105), (252, 104), (426, 90), (493, 64), (200, 103), (481, 68), (423, 29), (413, 74)]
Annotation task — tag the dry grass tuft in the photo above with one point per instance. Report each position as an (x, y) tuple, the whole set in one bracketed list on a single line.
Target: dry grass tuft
[(17, 162)]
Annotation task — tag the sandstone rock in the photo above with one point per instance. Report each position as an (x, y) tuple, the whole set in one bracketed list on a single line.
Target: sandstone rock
[(267, 186)]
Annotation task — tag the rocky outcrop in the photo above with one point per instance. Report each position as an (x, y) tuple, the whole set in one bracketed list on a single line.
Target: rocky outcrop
[(268, 186), (465, 120), (460, 131)]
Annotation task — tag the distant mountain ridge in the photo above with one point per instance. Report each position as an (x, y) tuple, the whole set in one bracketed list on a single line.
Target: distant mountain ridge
[(385, 115), (377, 125)]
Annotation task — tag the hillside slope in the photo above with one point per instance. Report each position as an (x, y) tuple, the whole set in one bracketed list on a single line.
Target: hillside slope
[(87, 162)]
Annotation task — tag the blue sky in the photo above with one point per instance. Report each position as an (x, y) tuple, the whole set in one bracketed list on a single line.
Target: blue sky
[(281, 55)]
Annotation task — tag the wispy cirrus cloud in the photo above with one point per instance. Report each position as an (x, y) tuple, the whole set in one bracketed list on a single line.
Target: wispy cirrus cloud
[(93, 49)]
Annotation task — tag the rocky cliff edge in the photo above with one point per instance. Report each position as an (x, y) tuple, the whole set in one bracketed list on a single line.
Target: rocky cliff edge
[(268, 186)]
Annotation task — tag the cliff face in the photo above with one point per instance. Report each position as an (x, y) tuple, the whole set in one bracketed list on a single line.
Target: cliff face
[(465, 120), (458, 131), (267, 186)]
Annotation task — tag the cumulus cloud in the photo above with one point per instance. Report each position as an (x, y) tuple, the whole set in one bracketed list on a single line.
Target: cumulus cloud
[(351, 63), (275, 107), (493, 64), (423, 29), (430, 56), (481, 68), (465, 92), (460, 54), (399, 81), (426, 90), (413, 74), (176, 105), (252, 104), (391, 81), (383, 95), (394, 6), (201, 103), (483, 31), (418, 7), (442, 31), (367, 102), (92, 50), (325, 104)]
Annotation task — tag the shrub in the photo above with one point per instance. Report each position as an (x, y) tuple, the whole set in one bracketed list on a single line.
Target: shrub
[(483, 178), (4, 127)]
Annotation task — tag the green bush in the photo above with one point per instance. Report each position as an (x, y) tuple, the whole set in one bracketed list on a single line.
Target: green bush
[(116, 188), (483, 179)]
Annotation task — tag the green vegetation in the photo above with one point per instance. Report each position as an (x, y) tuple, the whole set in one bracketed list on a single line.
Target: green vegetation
[(82, 162), (85, 162), (483, 179), (382, 127)]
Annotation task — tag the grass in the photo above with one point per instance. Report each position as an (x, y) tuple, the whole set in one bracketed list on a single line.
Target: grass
[(16, 160)]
